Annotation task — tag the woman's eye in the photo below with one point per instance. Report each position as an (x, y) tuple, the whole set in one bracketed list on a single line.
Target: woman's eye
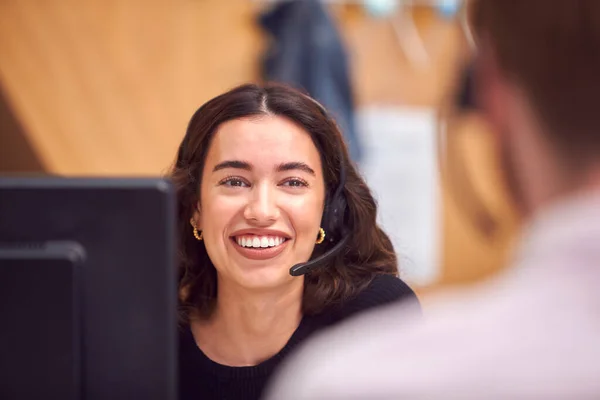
[(234, 182), (295, 183)]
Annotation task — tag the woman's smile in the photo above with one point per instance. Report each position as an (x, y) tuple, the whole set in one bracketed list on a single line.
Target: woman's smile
[(257, 245)]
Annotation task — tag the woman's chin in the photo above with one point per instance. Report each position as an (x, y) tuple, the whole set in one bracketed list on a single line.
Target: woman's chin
[(267, 278)]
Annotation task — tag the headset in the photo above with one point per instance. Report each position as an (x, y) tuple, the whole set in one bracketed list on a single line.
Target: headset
[(334, 220)]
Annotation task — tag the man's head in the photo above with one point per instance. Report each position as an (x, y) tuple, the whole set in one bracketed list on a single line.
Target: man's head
[(538, 77)]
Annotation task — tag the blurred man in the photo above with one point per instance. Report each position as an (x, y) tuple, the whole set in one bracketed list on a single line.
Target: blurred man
[(534, 332)]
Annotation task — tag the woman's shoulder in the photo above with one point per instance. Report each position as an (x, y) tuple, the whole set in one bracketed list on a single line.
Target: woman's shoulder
[(384, 289)]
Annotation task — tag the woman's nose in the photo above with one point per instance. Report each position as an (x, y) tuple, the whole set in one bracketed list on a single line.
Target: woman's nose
[(262, 206)]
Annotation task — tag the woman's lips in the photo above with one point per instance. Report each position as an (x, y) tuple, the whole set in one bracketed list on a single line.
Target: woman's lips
[(259, 247)]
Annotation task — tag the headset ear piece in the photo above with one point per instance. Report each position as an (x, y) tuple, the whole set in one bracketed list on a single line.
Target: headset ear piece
[(333, 217)]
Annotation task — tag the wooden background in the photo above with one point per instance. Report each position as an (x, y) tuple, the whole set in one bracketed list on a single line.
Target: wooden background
[(106, 87)]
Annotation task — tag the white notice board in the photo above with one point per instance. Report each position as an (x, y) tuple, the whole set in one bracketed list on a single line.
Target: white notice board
[(401, 167)]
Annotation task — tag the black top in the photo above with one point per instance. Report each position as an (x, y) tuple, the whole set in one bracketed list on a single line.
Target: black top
[(202, 378)]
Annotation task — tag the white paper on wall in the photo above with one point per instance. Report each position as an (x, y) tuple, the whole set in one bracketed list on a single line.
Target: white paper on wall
[(401, 167)]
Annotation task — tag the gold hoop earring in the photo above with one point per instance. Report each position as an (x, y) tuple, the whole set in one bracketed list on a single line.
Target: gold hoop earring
[(321, 236), (197, 235)]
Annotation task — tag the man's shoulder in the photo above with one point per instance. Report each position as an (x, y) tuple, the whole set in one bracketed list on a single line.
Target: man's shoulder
[(395, 353), (389, 351)]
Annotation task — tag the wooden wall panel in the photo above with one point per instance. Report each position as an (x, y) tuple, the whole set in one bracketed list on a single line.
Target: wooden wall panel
[(384, 72), (469, 252), (107, 87)]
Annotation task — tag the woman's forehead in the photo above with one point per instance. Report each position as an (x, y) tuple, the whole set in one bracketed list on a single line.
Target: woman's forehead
[(268, 140)]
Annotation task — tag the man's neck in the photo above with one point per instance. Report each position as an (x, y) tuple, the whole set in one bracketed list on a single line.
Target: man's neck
[(248, 327), (571, 190), (567, 220)]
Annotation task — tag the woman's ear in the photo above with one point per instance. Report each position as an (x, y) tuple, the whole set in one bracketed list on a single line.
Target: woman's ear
[(197, 217)]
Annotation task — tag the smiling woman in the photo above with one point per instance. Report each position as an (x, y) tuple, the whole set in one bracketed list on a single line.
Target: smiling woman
[(264, 184)]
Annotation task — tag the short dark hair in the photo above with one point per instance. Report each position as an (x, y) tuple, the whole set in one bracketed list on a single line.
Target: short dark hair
[(368, 251), (551, 49)]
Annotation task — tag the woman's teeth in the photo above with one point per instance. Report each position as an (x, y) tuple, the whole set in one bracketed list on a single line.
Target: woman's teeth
[(259, 241)]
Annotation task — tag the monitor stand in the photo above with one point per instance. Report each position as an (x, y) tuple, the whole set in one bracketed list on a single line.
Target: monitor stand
[(39, 285)]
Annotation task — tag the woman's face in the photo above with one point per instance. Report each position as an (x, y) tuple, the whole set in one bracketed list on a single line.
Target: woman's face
[(261, 200)]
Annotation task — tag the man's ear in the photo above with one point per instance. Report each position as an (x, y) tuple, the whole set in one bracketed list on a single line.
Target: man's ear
[(492, 89)]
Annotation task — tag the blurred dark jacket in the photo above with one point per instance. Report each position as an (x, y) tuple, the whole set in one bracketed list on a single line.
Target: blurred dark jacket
[(307, 52)]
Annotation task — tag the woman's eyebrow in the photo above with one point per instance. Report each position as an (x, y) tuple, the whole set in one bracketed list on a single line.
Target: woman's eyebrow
[(233, 164), (296, 165)]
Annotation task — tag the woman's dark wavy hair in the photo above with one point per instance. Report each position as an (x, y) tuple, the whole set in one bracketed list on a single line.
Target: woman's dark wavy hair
[(368, 251)]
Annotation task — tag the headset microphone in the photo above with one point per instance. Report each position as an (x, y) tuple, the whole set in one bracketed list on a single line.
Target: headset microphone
[(303, 268)]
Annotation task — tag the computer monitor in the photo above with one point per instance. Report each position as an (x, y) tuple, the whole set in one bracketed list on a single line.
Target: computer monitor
[(88, 289)]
